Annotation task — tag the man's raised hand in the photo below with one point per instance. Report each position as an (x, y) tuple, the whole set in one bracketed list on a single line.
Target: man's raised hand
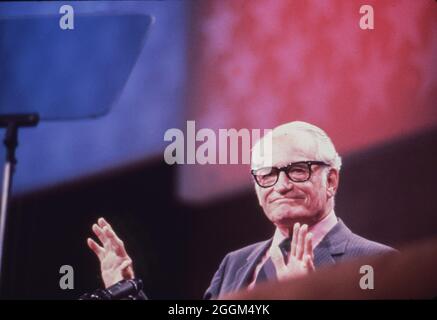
[(115, 263), (300, 258)]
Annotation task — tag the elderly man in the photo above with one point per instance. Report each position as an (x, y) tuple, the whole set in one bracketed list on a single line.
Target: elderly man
[(296, 187)]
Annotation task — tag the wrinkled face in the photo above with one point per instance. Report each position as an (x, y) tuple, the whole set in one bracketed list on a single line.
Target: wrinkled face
[(288, 202)]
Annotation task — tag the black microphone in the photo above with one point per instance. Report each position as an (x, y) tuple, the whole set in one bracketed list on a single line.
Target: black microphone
[(124, 289)]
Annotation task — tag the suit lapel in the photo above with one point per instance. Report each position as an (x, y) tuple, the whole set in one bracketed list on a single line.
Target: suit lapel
[(245, 273), (332, 246)]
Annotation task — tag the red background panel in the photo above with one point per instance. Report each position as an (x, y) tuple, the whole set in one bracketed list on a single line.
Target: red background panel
[(257, 64)]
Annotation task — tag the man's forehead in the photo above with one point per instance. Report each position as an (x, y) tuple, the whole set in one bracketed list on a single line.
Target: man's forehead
[(286, 148)]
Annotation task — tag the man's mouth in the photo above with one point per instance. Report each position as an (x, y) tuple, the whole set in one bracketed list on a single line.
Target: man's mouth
[(287, 199)]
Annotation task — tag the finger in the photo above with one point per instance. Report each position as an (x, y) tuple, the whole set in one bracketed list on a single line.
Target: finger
[(103, 223), (115, 242), (294, 239), (101, 235), (98, 250), (301, 241), (308, 251)]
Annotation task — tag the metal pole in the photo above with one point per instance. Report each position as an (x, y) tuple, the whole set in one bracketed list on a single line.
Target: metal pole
[(7, 181), (11, 122)]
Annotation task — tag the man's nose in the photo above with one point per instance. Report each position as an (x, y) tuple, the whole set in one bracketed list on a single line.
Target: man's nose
[(284, 184)]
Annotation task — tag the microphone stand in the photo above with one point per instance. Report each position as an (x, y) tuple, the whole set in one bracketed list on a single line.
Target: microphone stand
[(12, 122), (122, 290)]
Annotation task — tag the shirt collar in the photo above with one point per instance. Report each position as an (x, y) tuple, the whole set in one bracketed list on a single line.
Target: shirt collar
[(319, 230)]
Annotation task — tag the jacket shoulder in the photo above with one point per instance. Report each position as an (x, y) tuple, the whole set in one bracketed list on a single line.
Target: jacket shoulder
[(360, 246), (225, 278), (245, 252)]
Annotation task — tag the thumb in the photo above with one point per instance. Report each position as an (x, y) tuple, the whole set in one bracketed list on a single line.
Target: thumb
[(127, 270), (277, 259), (125, 264), (309, 263)]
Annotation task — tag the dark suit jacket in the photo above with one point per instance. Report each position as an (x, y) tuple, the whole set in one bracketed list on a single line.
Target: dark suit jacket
[(237, 268)]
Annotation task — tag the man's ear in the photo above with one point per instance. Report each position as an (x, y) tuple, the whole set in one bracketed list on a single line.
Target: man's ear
[(332, 182)]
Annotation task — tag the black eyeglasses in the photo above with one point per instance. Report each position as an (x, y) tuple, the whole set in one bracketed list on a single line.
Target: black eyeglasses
[(297, 172)]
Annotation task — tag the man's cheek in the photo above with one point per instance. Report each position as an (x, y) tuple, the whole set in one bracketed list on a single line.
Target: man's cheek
[(265, 196), (265, 201)]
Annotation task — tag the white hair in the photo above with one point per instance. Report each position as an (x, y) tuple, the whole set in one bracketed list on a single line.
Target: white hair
[(325, 148)]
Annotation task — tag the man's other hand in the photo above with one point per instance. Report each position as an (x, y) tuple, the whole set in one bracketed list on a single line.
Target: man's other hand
[(115, 263)]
